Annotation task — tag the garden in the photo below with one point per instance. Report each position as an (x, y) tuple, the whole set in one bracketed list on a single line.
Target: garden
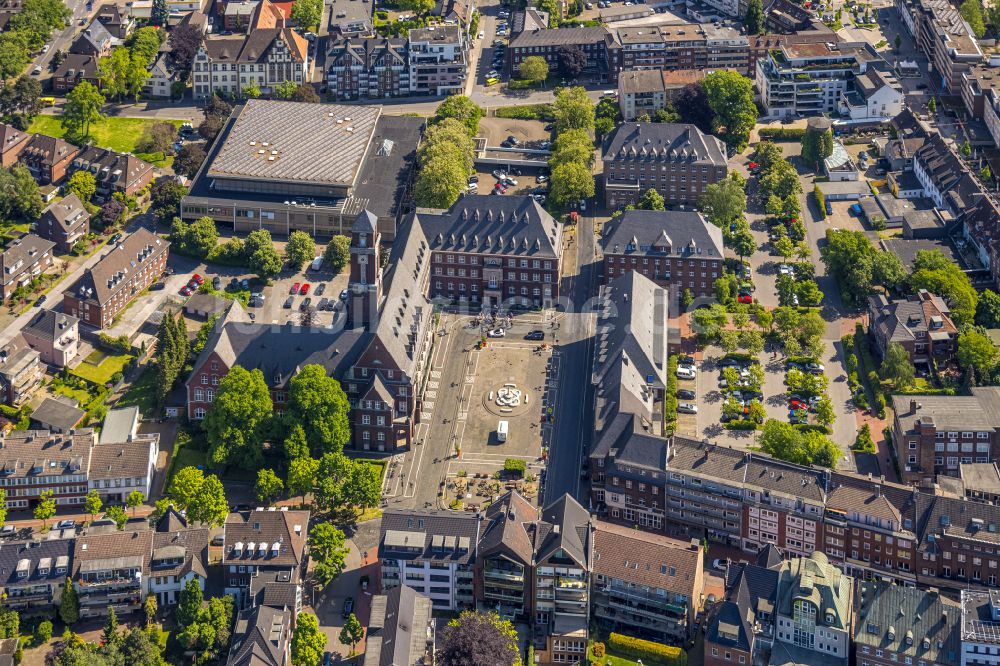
[(118, 134), (102, 367)]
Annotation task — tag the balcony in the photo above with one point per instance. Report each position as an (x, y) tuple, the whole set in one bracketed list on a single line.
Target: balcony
[(571, 583), (500, 594), (504, 574)]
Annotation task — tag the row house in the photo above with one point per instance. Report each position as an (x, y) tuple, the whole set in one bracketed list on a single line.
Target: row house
[(265, 58), (944, 176), (22, 261), (33, 575), (813, 612), (958, 544), (12, 142), (370, 67), (896, 624), (178, 555), (678, 250), (646, 91), (113, 172), (401, 624), (64, 222), (921, 324), (47, 158), (264, 553), (980, 231), (945, 37), (262, 637), (74, 70), (937, 433), (438, 60), (597, 44), (119, 468), (677, 160), (21, 372), (107, 287)]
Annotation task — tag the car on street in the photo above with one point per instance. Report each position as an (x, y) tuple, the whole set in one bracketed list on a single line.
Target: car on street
[(323, 303), (537, 334), (687, 408), (348, 607), (745, 298), (685, 394), (295, 289), (186, 290), (343, 295), (496, 333), (304, 289), (65, 524), (37, 70), (720, 564), (481, 35), (542, 178), (686, 373), (289, 301)]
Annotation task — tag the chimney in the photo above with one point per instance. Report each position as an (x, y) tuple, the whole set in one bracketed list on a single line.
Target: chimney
[(913, 406)]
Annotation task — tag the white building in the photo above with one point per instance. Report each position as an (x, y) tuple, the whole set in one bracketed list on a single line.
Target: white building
[(266, 58), (438, 60), (980, 628), (875, 96), (120, 468)]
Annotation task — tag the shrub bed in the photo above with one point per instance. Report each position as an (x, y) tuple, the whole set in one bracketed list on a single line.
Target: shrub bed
[(527, 112), (781, 133), (648, 651), (670, 400), (743, 424)]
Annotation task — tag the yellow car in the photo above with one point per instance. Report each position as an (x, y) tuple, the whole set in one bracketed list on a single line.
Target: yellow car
[(492, 81), (48, 101)]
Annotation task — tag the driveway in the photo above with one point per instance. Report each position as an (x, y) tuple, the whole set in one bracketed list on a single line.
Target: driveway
[(328, 604)]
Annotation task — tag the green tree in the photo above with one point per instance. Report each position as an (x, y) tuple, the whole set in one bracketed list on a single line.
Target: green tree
[(307, 14), (668, 114), (897, 366), (460, 108), (730, 95), (15, 54), (160, 13), (69, 604), (265, 262), (988, 309), (110, 635), (572, 145), (210, 506), (966, 147), (302, 476), (134, 500), (754, 18), (92, 503), (897, 42), (825, 413), (299, 249), (939, 275), (480, 638), (117, 513), (268, 486), (817, 145), (189, 604), (888, 270), (783, 441), (186, 484), (197, 239), (976, 354), (113, 72), (708, 322), (729, 340), (724, 202), (741, 241), (352, 632), (43, 634), (83, 185), (252, 90), (285, 89), (986, 173), (932, 104), (651, 200), (82, 109), (150, 607), (337, 253), (570, 183), (573, 110), (535, 68), (972, 12), (440, 181), (308, 642), (328, 551), (165, 199), (784, 247), (45, 509), (319, 404)]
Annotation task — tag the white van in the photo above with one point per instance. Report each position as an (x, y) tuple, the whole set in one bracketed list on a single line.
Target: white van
[(317, 262), (502, 431)]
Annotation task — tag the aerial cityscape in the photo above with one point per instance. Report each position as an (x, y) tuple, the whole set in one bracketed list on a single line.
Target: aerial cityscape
[(497, 333)]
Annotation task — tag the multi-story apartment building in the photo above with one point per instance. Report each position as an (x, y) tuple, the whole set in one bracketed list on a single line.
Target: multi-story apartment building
[(179, 555), (33, 575), (64, 223), (646, 91), (977, 82), (369, 67), (113, 172), (945, 37), (783, 506), (944, 176), (55, 336), (431, 551), (23, 260), (645, 585), (107, 287), (109, 572), (262, 637), (47, 158), (743, 624), (678, 250), (921, 324), (898, 625), (980, 619), (21, 372), (936, 433), (268, 546), (503, 566), (869, 530), (564, 559), (74, 70), (813, 612), (677, 160), (810, 79), (438, 60), (958, 544), (599, 45), (875, 95), (700, 46), (59, 462), (761, 45)]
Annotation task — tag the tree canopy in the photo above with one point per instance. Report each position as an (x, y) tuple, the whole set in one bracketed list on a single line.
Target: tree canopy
[(317, 402), (234, 425), (480, 639), (785, 442), (730, 94)]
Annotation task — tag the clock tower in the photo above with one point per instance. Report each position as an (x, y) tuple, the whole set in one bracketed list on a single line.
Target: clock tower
[(364, 290)]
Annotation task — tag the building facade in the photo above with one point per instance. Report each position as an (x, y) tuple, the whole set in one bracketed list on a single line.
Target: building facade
[(64, 223), (921, 324), (438, 60), (22, 261), (368, 68)]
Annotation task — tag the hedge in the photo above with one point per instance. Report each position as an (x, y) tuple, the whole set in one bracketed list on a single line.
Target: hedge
[(740, 356), (820, 201), (743, 424), (812, 427), (527, 112), (781, 133), (120, 344), (648, 651), (670, 401), (514, 465)]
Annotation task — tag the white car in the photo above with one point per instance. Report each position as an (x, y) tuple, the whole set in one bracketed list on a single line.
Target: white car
[(472, 187), (45, 49), (815, 368), (785, 269), (496, 333), (498, 174), (686, 373), (687, 408), (541, 179), (482, 34), (509, 182)]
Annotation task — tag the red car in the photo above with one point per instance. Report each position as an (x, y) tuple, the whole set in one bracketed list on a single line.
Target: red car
[(294, 290), (745, 298), (197, 279), (752, 166), (796, 404), (305, 289), (186, 291)]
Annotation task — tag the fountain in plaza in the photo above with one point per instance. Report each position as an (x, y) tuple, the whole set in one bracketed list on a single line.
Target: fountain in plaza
[(508, 396)]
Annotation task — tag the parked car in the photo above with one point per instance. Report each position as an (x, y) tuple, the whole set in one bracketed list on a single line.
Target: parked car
[(815, 368), (537, 334), (186, 290), (686, 373), (473, 178), (323, 302), (304, 289), (289, 301), (481, 35), (786, 269), (305, 304), (685, 394), (320, 288), (197, 279), (541, 179), (343, 295), (745, 298), (496, 333), (114, 239), (217, 283), (65, 524), (295, 289), (687, 408), (720, 564), (829, 208)]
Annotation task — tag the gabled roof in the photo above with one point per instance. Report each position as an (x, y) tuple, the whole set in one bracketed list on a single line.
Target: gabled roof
[(288, 529), (399, 629), (39, 558), (65, 212), (114, 550), (11, 137), (128, 258), (665, 142), (565, 525), (509, 525), (649, 560), (912, 623), (682, 233), (48, 150), (261, 637), (20, 254), (948, 173), (442, 536), (822, 584), (50, 325)]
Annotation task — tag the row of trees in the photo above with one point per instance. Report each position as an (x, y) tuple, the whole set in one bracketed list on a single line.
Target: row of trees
[(126, 70), (572, 157), (446, 155)]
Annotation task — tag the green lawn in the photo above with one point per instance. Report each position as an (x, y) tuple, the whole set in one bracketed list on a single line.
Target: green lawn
[(100, 367), (142, 393), (120, 134), (376, 462), (185, 457), (80, 395)]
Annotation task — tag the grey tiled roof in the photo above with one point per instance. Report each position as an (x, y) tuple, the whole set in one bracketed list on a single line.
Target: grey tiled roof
[(20, 254), (50, 553), (978, 412), (665, 142), (49, 325), (565, 525), (508, 523), (683, 234), (925, 625), (397, 632), (121, 263), (458, 534), (560, 37), (58, 414), (261, 637)]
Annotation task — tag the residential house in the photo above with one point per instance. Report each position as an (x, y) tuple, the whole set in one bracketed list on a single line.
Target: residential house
[(263, 544), (47, 158), (265, 58), (162, 77), (23, 260), (875, 96), (438, 60), (110, 571), (400, 629), (73, 70), (179, 555), (503, 566), (368, 68), (678, 250), (813, 611), (896, 624), (117, 21), (704, 46), (120, 468), (12, 142), (95, 41), (646, 585), (980, 614), (107, 287), (262, 637), (921, 324), (432, 552), (113, 172), (33, 574), (9, 9), (21, 372), (677, 160), (944, 176), (958, 544), (120, 425), (939, 432), (55, 336), (64, 222), (645, 91)]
